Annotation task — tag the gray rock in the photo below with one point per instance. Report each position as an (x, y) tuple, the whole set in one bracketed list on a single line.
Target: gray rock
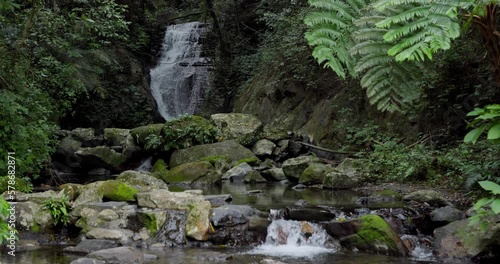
[(198, 221), (142, 181), (243, 128), (431, 197), (32, 216), (294, 167), (231, 215), (281, 147), (101, 156), (122, 235), (274, 174), (39, 197), (140, 134), (263, 148), (119, 255), (169, 200), (339, 180), (89, 194), (237, 172), (68, 146), (83, 134), (218, 200), (314, 174), (447, 214), (230, 148), (87, 261), (254, 177), (123, 138), (308, 213), (91, 245)]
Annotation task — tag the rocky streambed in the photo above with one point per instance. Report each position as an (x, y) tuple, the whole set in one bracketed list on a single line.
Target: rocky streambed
[(254, 197)]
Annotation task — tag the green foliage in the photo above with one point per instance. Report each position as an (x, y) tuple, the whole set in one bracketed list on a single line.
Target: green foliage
[(371, 39), (487, 119), (397, 162), (5, 229), (59, 208), (183, 132), (20, 184), (492, 202)]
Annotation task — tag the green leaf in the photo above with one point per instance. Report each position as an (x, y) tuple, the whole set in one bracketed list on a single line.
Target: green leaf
[(474, 134), (482, 202), (490, 186), (495, 206), (494, 132)]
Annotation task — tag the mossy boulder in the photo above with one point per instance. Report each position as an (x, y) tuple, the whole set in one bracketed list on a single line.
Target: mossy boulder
[(368, 233), (117, 191), (165, 199), (159, 169), (274, 174), (101, 156), (122, 137), (462, 240), (293, 168), (314, 174), (152, 220), (229, 148), (188, 172), (89, 193), (254, 177), (198, 221), (32, 216), (83, 134), (338, 180), (243, 128), (140, 134), (431, 197), (263, 148), (72, 190), (68, 146), (251, 161), (214, 159), (141, 180)]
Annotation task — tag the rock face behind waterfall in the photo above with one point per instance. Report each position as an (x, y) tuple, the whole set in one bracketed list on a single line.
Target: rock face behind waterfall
[(181, 76)]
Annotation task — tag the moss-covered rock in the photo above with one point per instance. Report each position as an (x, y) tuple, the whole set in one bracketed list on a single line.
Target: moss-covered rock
[(263, 148), (243, 128), (314, 174), (251, 161), (368, 233), (293, 168), (83, 134), (214, 159), (68, 146), (141, 180), (152, 220), (254, 177), (101, 156), (431, 197), (89, 193), (72, 190), (229, 148), (117, 191), (159, 169), (188, 172), (198, 221), (122, 137), (140, 134), (165, 199)]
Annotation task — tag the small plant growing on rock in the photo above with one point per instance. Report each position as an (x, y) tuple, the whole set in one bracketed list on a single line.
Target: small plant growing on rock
[(493, 202), (59, 209)]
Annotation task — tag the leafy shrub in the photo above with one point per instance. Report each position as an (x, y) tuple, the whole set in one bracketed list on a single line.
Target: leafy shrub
[(5, 229), (20, 184), (183, 132), (59, 208), (488, 119)]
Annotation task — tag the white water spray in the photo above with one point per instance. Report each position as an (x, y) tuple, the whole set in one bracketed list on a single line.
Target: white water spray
[(180, 79)]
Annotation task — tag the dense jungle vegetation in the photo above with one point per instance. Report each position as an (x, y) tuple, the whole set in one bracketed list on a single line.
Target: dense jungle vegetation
[(67, 64)]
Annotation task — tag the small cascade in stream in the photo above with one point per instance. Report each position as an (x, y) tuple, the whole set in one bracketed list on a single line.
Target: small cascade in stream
[(418, 249), (146, 165), (288, 238), (181, 76)]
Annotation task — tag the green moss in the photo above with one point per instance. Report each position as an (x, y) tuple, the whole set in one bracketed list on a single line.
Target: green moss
[(149, 221), (188, 172), (159, 169), (117, 191), (375, 230), (214, 159), (250, 161), (35, 228)]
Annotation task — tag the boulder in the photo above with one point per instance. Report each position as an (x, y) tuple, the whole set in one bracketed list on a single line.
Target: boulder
[(117, 191), (32, 216), (119, 255), (211, 178), (339, 180), (243, 128), (314, 174), (89, 193), (122, 137), (72, 190), (447, 214), (168, 200), (198, 222), (105, 215), (461, 239), (101, 156), (230, 215), (308, 213), (230, 148), (159, 169), (368, 233), (141, 180), (90, 245), (188, 172), (431, 197), (253, 177), (237, 173), (294, 167), (218, 199), (152, 220), (140, 134), (39, 197), (121, 235), (274, 174), (263, 148), (68, 146), (84, 135)]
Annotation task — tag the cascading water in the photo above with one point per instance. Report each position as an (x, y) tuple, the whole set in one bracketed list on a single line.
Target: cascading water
[(180, 79), (287, 238), (146, 165)]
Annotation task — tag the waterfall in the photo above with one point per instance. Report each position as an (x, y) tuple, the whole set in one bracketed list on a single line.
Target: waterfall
[(146, 165), (295, 239), (181, 76)]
